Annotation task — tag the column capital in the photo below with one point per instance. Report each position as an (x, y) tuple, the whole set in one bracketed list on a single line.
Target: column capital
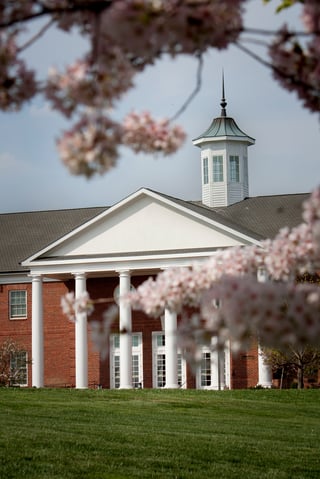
[(79, 274), (123, 272), (35, 276)]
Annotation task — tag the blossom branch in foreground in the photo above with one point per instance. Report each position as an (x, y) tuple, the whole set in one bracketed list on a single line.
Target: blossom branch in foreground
[(90, 147), (17, 83), (144, 134), (279, 313), (100, 329), (125, 36)]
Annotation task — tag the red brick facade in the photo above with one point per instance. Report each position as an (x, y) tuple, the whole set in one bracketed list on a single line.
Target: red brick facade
[(59, 338)]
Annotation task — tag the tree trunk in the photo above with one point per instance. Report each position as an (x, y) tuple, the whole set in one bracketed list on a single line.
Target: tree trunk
[(300, 377)]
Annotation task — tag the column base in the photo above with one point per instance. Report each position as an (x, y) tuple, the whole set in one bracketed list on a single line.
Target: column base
[(264, 385)]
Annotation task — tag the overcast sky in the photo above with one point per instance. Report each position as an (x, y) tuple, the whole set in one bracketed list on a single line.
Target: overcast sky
[(285, 158)]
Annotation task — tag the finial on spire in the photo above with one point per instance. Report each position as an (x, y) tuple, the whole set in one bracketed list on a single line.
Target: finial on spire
[(223, 103)]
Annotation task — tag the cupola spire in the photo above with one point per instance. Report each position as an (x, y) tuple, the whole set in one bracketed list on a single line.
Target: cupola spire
[(223, 103), (224, 160)]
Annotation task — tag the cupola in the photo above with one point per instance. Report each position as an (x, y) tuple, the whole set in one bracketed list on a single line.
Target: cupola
[(224, 160)]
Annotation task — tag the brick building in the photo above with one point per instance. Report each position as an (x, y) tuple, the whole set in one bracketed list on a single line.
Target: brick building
[(108, 250)]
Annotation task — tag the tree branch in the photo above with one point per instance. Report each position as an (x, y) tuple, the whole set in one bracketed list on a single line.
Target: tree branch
[(194, 93), (272, 67), (35, 37), (95, 7)]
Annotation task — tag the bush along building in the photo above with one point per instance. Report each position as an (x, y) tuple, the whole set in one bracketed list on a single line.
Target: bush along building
[(108, 250)]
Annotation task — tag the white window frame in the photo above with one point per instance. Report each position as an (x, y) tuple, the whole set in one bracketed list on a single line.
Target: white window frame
[(137, 361), (158, 360), (21, 304), (234, 162), (21, 368), (217, 169), (224, 369)]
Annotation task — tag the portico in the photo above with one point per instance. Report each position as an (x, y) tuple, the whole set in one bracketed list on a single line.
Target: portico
[(101, 248)]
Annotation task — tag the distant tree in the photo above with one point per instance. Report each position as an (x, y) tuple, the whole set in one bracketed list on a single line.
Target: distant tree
[(12, 363), (301, 362)]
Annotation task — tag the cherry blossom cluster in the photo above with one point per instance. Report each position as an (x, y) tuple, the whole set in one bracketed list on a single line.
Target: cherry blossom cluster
[(144, 134), (123, 37), (172, 26), (296, 65), (72, 306), (93, 85), (91, 146), (17, 83), (100, 330)]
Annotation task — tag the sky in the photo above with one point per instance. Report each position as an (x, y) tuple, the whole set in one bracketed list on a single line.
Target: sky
[(285, 158)]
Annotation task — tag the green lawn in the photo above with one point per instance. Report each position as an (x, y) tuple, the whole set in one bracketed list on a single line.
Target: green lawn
[(159, 434)]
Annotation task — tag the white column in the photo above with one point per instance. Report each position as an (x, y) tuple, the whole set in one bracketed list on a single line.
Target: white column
[(171, 350), (217, 366), (125, 326), (222, 365), (264, 371), (37, 333), (81, 337)]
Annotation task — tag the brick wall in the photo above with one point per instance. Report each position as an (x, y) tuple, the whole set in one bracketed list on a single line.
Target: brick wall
[(244, 369), (59, 337), (17, 329)]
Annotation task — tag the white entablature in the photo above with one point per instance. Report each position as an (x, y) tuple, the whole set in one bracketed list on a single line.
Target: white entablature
[(146, 230)]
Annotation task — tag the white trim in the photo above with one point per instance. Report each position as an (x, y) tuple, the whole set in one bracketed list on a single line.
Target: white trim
[(23, 279), (32, 260), (15, 279), (215, 139)]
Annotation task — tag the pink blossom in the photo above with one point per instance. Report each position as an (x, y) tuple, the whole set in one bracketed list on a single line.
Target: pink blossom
[(100, 330), (72, 306), (90, 146), (96, 86), (17, 83), (142, 133)]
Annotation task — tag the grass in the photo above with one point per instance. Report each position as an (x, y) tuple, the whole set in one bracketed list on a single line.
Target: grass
[(159, 434)]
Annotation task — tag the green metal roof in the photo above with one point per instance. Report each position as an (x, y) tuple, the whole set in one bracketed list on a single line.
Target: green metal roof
[(224, 126)]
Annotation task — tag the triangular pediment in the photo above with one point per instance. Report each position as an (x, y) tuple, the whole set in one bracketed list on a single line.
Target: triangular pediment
[(145, 222)]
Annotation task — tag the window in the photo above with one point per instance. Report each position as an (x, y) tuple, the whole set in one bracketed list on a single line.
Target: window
[(19, 368), (137, 375), (214, 368), (234, 169), (18, 304), (205, 371), (159, 363), (205, 171), (217, 168)]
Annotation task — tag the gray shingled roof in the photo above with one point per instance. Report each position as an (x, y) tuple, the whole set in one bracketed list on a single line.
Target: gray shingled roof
[(23, 234), (266, 215)]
